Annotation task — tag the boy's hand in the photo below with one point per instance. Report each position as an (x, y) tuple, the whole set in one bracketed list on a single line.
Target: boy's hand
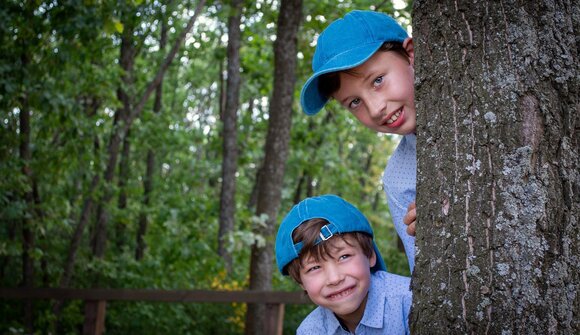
[(410, 219)]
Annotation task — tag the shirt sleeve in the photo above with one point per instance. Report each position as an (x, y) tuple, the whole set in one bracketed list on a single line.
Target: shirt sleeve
[(399, 182)]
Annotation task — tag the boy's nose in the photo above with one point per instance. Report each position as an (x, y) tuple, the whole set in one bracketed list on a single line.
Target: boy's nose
[(376, 108), (333, 275)]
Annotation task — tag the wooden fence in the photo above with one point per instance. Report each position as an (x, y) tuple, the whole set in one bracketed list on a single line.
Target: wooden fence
[(96, 301)]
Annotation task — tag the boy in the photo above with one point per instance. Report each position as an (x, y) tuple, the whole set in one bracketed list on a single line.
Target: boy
[(365, 62), (326, 245)]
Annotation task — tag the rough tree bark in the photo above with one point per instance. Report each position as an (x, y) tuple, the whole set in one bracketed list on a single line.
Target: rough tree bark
[(230, 133), (276, 153), (498, 167)]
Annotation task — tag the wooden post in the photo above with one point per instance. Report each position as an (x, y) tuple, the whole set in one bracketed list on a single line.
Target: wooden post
[(274, 319), (94, 317)]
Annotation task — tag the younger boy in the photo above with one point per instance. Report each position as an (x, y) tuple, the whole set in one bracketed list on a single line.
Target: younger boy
[(326, 245), (365, 62)]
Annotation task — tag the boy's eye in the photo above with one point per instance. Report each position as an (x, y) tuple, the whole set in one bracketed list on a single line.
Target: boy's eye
[(354, 103), (378, 81), (312, 268), (343, 257)]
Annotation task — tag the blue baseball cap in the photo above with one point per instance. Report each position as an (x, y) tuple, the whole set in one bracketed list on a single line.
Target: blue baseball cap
[(342, 218), (344, 44)]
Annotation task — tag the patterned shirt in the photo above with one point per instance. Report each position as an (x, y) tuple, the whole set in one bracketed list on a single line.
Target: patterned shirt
[(399, 181), (386, 311)]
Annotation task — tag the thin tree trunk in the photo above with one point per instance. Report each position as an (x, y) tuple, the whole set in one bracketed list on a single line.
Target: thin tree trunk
[(230, 134), (276, 153), (309, 187), (223, 91), (498, 167), (126, 61), (143, 220), (124, 175), (298, 191), (27, 232), (100, 234), (86, 209), (164, 66), (254, 194), (27, 229), (150, 164), (306, 177)]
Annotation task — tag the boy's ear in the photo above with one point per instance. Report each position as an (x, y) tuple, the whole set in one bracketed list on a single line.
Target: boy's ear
[(408, 45), (373, 259)]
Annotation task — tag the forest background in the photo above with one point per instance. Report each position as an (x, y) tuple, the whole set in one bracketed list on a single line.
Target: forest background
[(110, 181)]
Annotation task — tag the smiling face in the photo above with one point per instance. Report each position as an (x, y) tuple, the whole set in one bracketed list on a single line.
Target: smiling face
[(380, 92), (340, 281)]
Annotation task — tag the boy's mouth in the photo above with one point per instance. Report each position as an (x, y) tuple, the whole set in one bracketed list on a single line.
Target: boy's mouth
[(395, 119), (341, 294)]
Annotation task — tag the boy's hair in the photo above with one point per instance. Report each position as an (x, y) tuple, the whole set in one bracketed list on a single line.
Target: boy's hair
[(308, 233), (329, 83), (339, 218)]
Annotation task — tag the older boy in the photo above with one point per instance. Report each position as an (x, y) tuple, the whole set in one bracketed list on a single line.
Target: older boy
[(365, 62), (326, 245)]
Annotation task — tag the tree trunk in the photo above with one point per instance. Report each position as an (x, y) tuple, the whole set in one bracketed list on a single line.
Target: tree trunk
[(498, 168), (27, 230), (306, 176), (143, 220), (124, 174), (230, 134), (276, 153), (126, 61), (150, 164)]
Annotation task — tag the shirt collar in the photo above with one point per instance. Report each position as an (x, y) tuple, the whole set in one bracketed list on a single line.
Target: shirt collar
[(411, 139), (332, 322), (375, 307)]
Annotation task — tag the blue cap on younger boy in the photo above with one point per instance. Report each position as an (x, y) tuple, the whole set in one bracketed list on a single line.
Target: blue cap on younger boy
[(346, 43), (342, 218)]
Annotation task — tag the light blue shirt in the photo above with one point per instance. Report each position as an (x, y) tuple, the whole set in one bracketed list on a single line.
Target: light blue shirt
[(386, 311), (400, 183)]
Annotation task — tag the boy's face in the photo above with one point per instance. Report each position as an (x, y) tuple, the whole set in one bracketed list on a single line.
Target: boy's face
[(380, 92), (341, 281)]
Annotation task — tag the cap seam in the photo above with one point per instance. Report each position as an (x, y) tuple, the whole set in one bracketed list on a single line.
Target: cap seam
[(349, 50), (366, 25)]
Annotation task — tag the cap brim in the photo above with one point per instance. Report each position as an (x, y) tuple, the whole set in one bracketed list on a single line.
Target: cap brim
[(311, 99), (380, 265)]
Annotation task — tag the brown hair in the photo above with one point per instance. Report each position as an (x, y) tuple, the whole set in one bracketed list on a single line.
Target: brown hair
[(329, 83), (308, 233)]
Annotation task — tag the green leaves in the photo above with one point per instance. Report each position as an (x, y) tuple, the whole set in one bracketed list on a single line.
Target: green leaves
[(113, 25)]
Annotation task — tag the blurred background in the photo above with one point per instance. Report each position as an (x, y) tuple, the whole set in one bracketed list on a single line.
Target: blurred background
[(112, 165)]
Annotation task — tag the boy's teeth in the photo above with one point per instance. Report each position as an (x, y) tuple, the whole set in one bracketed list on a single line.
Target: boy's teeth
[(394, 117)]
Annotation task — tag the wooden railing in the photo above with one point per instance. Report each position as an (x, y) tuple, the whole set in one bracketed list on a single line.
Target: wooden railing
[(96, 301)]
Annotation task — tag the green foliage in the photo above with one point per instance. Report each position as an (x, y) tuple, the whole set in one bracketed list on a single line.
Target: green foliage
[(60, 64)]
